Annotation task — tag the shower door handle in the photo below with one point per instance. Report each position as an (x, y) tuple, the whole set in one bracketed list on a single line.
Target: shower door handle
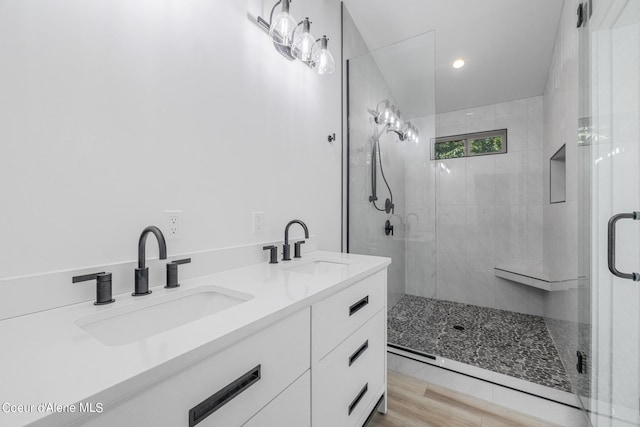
[(611, 246)]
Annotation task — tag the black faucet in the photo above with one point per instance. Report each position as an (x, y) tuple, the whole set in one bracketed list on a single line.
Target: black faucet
[(286, 248), (142, 272)]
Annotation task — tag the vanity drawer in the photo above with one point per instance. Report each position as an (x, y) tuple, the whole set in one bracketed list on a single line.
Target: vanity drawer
[(338, 316), (292, 407), (237, 382), (345, 381)]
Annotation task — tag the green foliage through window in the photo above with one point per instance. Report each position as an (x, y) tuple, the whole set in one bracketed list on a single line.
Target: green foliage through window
[(450, 149), (486, 145), (473, 144)]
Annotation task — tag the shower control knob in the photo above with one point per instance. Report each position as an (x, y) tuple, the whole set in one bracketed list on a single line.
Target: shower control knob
[(388, 228)]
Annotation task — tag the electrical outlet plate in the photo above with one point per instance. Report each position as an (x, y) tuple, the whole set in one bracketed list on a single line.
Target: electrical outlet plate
[(174, 223), (258, 222)]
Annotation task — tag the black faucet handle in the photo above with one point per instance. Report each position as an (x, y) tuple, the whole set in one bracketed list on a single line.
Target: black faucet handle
[(103, 286), (172, 272), (273, 253), (296, 248)]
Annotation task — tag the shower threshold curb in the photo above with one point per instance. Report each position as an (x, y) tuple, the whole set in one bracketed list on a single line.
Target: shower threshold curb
[(536, 390)]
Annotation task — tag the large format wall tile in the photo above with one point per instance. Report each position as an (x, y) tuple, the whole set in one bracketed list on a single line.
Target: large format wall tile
[(489, 208)]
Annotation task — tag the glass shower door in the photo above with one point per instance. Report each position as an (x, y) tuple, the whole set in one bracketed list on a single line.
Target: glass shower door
[(610, 194)]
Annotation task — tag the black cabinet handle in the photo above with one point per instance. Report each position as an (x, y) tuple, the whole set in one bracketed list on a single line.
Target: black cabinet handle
[(611, 246), (217, 400), (357, 306), (358, 398), (358, 352)]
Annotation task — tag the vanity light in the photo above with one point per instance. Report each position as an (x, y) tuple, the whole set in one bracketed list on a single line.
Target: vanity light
[(458, 63), (295, 41), (282, 27), (323, 58), (410, 133), (397, 123), (303, 42), (384, 116), (387, 115)]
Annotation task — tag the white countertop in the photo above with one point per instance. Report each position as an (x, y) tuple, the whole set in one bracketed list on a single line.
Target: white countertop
[(47, 358)]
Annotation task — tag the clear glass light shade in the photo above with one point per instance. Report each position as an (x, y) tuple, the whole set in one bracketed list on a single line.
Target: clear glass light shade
[(304, 44), (409, 134), (414, 135), (396, 125), (283, 26), (387, 116), (325, 63)]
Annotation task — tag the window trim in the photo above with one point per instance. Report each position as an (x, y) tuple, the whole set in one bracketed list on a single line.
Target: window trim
[(468, 137)]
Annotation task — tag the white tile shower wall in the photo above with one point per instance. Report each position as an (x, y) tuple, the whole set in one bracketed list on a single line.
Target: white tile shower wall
[(489, 209), (420, 220), (367, 88), (561, 127), (114, 111)]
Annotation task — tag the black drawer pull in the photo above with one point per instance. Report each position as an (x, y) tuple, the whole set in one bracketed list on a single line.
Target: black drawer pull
[(217, 400), (358, 398), (358, 352), (357, 306)]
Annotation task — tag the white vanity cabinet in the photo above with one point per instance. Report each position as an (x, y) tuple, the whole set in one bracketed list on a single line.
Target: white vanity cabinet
[(348, 359), (324, 365), (247, 376)]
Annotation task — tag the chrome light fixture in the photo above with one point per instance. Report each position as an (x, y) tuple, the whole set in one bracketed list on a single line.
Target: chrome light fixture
[(282, 27), (325, 64), (409, 133), (397, 123), (384, 116), (303, 42), (388, 116), (295, 41)]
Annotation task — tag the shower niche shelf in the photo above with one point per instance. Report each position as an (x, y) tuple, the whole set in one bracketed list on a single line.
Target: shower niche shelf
[(537, 279), (558, 176)]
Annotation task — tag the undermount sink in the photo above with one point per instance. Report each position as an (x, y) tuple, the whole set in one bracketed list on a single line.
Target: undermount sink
[(141, 320), (318, 267)]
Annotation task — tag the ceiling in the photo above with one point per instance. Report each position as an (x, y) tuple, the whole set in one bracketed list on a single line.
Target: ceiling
[(507, 45)]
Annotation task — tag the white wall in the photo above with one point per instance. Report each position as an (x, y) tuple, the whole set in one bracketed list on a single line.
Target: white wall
[(113, 111), (489, 209)]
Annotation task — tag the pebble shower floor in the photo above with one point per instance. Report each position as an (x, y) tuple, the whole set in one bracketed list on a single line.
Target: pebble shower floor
[(514, 344)]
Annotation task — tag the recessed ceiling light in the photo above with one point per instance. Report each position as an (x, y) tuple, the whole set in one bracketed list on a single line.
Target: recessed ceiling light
[(458, 63)]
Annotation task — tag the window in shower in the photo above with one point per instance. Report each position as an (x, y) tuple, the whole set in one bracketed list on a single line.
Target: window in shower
[(471, 144)]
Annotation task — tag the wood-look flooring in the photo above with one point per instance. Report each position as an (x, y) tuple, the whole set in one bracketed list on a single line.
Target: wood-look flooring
[(413, 402)]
